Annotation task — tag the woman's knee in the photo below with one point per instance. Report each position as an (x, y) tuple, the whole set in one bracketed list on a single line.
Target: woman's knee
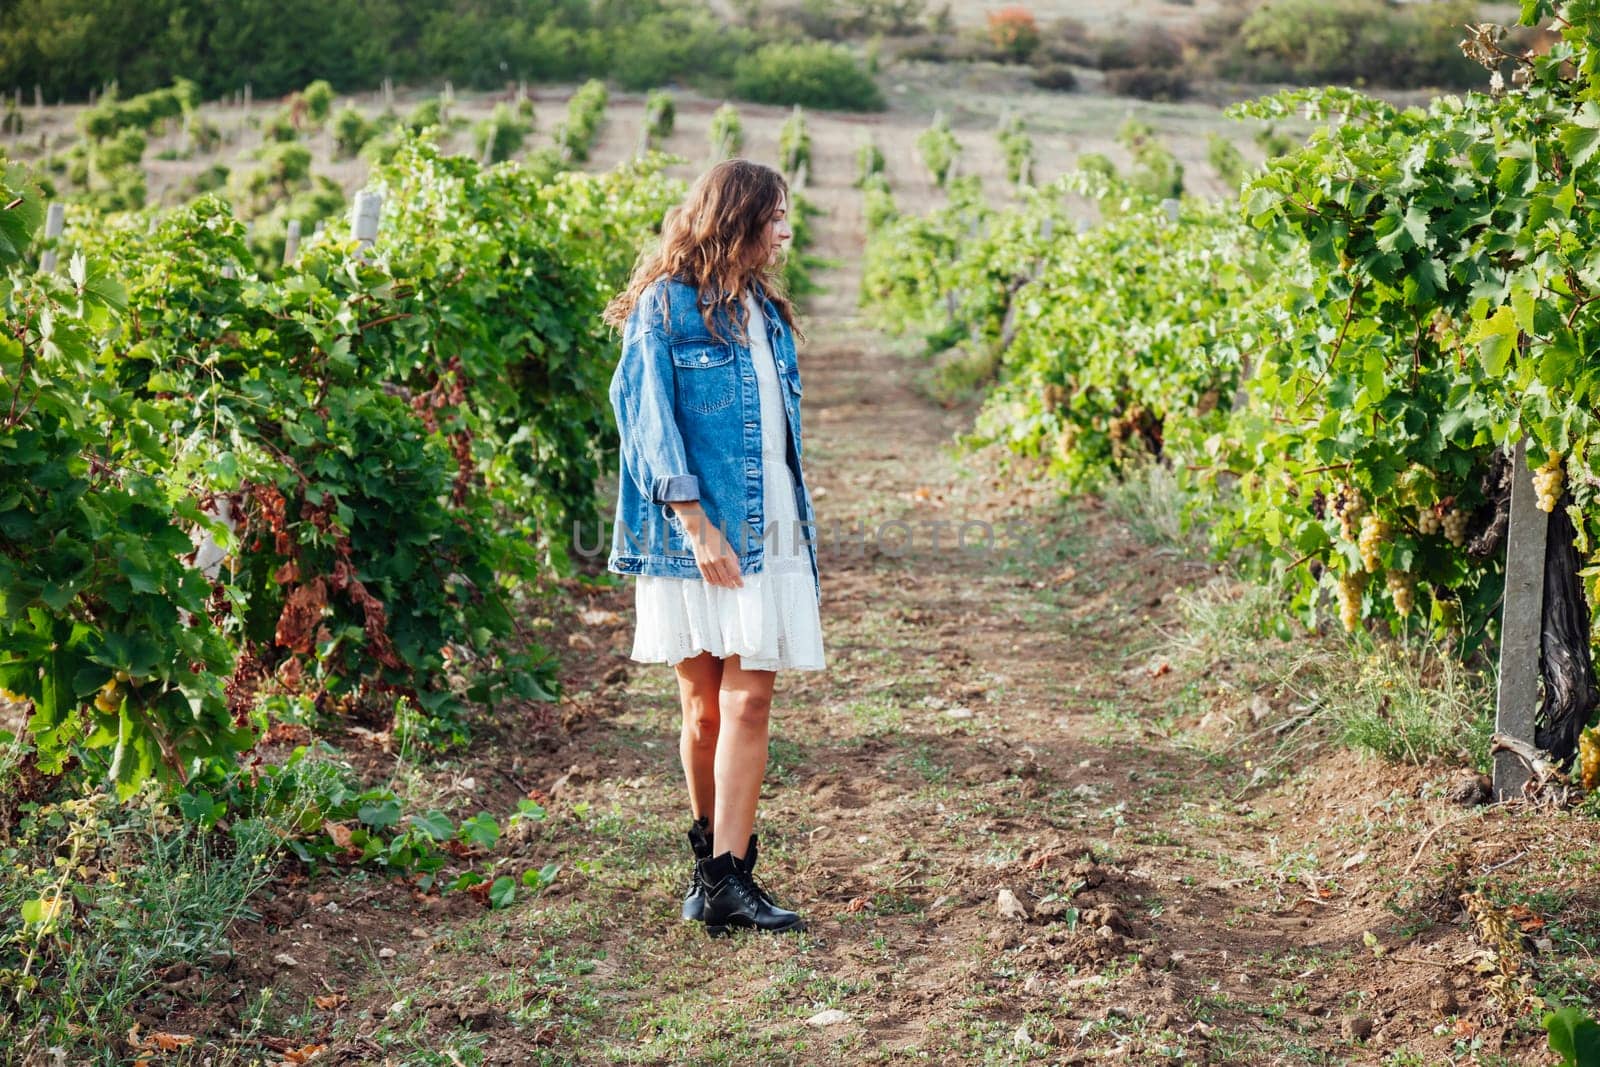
[(701, 721), (746, 709)]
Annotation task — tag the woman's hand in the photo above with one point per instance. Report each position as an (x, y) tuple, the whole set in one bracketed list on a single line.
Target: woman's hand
[(719, 563)]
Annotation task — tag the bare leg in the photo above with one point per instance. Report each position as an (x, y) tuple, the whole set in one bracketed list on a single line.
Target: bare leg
[(741, 763), (698, 681)]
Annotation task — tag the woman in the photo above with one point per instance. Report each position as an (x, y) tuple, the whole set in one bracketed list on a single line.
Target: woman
[(713, 514)]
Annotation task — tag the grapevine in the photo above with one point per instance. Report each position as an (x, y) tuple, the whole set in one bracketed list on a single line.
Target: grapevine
[(1382, 339)]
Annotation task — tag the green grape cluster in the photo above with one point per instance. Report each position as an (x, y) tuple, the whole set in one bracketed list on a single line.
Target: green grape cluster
[(1548, 481), (1455, 526), (1349, 592), (1348, 507), (1429, 521), (1374, 534), (1402, 590)]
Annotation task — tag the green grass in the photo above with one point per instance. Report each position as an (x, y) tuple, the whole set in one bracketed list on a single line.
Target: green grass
[(144, 889)]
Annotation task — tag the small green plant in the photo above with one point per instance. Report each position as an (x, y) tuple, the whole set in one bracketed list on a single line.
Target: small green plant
[(318, 97), (878, 207), (726, 132), (1017, 147), (96, 897), (1157, 172), (428, 113), (586, 110), (869, 161), (660, 115), (794, 144), (939, 149), (500, 136), (351, 132), (1225, 159)]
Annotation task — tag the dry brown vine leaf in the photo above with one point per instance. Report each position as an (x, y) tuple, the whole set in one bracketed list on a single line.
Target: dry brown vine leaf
[(302, 610)]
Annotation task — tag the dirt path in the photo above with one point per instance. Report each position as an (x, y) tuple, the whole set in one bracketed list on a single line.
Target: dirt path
[(1015, 719)]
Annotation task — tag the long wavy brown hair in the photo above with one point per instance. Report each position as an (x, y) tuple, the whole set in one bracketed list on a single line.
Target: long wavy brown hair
[(716, 240)]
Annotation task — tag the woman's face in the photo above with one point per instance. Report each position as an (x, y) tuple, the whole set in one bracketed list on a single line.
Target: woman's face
[(778, 230)]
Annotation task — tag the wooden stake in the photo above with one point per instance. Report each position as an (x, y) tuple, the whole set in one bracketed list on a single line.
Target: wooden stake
[(55, 220), (1521, 626)]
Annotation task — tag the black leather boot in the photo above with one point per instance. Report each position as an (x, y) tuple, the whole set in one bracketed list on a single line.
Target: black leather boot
[(750, 865), (734, 901), (694, 899)]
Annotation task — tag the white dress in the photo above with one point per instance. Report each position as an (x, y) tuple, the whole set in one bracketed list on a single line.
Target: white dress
[(773, 621)]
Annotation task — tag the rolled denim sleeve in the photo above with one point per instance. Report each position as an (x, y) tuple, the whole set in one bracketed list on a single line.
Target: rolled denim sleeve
[(642, 396)]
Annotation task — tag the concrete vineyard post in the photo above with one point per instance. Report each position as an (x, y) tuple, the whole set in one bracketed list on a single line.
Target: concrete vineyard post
[(291, 242), (1521, 626), (364, 215), (55, 220)]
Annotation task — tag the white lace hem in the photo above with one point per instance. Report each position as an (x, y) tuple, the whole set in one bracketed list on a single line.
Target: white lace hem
[(772, 622)]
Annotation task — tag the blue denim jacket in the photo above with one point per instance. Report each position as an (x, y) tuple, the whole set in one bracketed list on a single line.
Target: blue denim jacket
[(688, 412)]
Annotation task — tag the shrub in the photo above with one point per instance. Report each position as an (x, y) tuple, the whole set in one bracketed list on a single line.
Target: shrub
[(1057, 76), (1014, 31), (1148, 83), (1371, 41), (682, 44), (1151, 47), (1066, 41), (811, 74)]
